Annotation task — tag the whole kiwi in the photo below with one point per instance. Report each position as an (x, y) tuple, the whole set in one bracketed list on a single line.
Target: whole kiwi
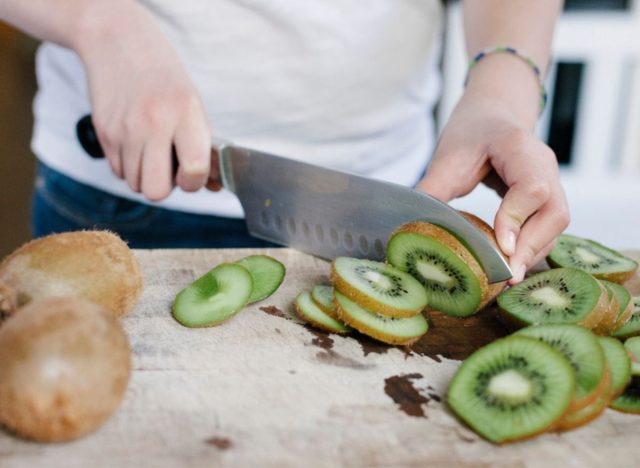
[(94, 265), (65, 365)]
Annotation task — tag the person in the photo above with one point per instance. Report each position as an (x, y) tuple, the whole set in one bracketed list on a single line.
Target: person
[(341, 83)]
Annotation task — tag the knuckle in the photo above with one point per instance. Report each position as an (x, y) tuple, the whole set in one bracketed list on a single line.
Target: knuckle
[(517, 139), (538, 190)]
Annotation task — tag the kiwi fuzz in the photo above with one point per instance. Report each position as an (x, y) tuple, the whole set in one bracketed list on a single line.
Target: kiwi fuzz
[(8, 300), (94, 265), (65, 368)]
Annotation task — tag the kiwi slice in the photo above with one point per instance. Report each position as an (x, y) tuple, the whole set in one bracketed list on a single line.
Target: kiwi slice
[(624, 301), (378, 287), (583, 351), (396, 331), (618, 363), (590, 412), (629, 401), (323, 297), (610, 316), (267, 274), (562, 295), (632, 346), (450, 274), (632, 325), (214, 297), (309, 311), (592, 257), (512, 389)]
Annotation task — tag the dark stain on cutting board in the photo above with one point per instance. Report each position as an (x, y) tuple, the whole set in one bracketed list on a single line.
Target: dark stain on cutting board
[(401, 390), (221, 443)]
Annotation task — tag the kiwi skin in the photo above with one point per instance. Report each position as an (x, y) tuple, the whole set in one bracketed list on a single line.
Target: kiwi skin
[(65, 367), (608, 321), (95, 265)]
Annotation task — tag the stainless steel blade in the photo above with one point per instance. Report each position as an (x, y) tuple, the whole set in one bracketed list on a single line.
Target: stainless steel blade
[(329, 213)]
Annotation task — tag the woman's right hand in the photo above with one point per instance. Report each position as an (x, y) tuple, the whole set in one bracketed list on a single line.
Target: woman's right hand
[(142, 100)]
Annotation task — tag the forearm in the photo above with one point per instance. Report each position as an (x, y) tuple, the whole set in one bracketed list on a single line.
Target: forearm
[(523, 24)]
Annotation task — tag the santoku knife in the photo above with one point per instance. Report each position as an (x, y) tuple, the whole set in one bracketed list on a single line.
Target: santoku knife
[(325, 212)]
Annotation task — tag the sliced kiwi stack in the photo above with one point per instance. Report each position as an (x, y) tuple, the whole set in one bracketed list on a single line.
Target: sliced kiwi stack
[(562, 295), (390, 330), (629, 400), (590, 412), (308, 310), (215, 297), (618, 363), (583, 351), (624, 303), (592, 257), (609, 317), (267, 274), (513, 388), (378, 287), (322, 295), (632, 325)]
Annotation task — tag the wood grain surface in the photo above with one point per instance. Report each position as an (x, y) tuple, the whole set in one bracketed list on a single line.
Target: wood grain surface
[(265, 390)]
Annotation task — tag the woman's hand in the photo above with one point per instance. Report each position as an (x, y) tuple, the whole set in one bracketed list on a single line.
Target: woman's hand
[(484, 142), (143, 101)]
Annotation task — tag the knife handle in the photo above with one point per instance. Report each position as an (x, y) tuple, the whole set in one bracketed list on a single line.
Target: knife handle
[(88, 138)]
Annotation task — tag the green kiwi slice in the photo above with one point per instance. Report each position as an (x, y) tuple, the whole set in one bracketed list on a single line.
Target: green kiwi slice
[(583, 351), (322, 295), (592, 257), (267, 274), (562, 295), (629, 401), (632, 345), (511, 389), (632, 326), (397, 331), (309, 311), (452, 286), (214, 297), (378, 287), (618, 362), (624, 300)]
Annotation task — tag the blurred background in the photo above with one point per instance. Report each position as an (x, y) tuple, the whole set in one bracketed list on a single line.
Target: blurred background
[(592, 121)]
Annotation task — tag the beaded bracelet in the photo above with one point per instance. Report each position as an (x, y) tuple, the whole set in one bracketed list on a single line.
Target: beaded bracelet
[(510, 50)]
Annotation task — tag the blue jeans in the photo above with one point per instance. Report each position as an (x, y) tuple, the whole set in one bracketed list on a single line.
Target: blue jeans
[(61, 204)]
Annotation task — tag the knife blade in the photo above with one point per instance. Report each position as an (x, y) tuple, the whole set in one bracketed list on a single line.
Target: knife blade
[(325, 212)]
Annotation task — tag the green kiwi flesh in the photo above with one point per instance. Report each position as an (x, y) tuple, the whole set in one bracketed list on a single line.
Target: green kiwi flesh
[(322, 295), (632, 327), (452, 287), (214, 297), (632, 345), (618, 362), (267, 274), (378, 287), (562, 295), (386, 329), (511, 389), (629, 401), (580, 347), (309, 311), (592, 257)]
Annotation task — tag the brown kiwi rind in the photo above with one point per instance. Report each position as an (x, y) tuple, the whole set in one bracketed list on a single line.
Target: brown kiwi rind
[(94, 265), (609, 317), (576, 418), (65, 368)]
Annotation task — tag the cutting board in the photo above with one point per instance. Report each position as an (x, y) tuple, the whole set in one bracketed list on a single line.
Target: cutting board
[(265, 390)]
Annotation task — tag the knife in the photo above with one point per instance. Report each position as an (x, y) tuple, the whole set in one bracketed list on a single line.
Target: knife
[(325, 212)]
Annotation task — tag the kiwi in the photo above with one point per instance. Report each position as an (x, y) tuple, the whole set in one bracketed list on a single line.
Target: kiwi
[(511, 389), (452, 277), (632, 346), (65, 367), (624, 301), (395, 331), (618, 363), (583, 351), (267, 274), (632, 325), (609, 318), (378, 287), (93, 265), (215, 297), (562, 295), (309, 311), (323, 297), (592, 257), (590, 412)]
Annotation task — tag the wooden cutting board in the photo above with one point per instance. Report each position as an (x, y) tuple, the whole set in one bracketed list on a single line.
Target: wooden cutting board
[(265, 390)]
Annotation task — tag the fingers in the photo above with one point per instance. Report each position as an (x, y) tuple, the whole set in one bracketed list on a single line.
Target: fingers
[(192, 140), (157, 172)]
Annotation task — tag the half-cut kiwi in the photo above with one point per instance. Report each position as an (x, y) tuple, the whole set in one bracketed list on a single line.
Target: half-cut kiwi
[(396, 331), (267, 274), (309, 311), (562, 295), (378, 287), (632, 325), (322, 295), (583, 351), (513, 388), (625, 303), (214, 297), (592, 257), (618, 363), (451, 275)]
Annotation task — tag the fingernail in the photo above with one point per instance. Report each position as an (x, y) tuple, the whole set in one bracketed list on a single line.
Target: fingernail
[(193, 167), (510, 243)]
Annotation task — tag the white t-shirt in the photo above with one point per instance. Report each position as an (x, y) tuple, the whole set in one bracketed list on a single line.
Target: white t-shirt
[(347, 84)]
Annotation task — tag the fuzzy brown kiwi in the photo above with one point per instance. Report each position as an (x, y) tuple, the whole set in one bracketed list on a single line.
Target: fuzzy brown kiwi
[(94, 265), (65, 367)]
